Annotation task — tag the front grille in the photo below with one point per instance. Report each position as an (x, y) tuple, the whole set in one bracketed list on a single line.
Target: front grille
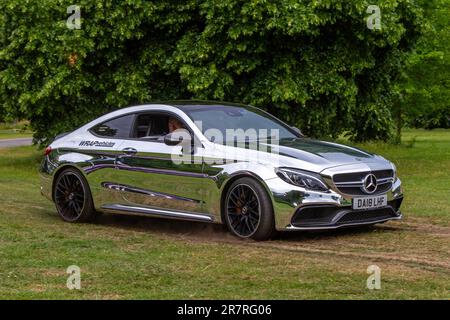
[(331, 216), (357, 191), (359, 176), (366, 216), (352, 183)]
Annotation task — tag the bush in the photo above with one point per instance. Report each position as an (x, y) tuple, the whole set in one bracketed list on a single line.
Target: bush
[(426, 88), (313, 63)]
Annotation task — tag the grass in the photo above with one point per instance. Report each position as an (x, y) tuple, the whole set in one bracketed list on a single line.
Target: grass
[(15, 130), (128, 257), (423, 163), (9, 134)]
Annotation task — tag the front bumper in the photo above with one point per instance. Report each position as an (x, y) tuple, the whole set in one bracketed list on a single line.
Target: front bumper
[(298, 209), (331, 217)]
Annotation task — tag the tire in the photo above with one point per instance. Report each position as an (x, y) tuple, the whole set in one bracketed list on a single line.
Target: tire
[(73, 198), (248, 210)]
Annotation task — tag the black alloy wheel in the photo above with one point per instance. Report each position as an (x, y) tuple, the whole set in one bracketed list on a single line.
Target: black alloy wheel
[(72, 197), (248, 210)]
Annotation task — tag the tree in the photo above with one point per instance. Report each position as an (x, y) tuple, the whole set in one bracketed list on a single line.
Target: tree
[(426, 88), (313, 63)]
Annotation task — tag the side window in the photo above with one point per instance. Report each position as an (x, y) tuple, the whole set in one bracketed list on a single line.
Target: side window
[(151, 126), (115, 128)]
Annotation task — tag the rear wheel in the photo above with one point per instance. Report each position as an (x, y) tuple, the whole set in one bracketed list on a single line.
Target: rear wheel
[(73, 197), (248, 210)]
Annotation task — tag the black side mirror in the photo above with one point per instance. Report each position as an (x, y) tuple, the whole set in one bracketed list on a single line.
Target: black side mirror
[(171, 140), (178, 137), (297, 130)]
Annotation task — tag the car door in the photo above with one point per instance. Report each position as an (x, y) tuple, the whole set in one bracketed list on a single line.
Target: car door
[(147, 174), (96, 153)]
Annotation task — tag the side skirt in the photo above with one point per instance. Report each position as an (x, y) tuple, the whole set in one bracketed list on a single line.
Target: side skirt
[(152, 212)]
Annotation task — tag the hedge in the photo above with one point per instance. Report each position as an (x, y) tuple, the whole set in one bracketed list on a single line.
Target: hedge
[(314, 63)]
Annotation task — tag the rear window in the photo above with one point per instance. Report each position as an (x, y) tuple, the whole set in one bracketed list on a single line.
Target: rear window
[(115, 128)]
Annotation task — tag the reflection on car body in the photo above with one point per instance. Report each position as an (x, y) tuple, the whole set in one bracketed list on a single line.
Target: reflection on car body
[(178, 160)]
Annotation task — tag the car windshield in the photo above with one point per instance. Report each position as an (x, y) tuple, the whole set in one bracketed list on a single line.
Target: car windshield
[(240, 123)]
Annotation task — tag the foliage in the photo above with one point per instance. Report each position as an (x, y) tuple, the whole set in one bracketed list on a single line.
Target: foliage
[(313, 63), (426, 89)]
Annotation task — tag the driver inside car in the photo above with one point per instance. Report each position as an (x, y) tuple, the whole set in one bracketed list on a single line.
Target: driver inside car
[(174, 124)]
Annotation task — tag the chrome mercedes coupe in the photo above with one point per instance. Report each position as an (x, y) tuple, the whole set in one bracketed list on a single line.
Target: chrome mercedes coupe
[(216, 162)]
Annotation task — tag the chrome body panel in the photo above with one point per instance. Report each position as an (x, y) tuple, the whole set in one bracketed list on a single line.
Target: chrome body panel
[(143, 211), (288, 199), (171, 185), (150, 183)]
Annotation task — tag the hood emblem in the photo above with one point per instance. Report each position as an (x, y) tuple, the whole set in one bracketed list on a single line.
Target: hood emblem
[(370, 183)]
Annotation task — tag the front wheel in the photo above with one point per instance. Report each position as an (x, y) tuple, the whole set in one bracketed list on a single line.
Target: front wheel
[(73, 197), (248, 210)]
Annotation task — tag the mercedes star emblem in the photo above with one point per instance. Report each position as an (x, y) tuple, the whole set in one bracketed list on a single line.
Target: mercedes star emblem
[(370, 183)]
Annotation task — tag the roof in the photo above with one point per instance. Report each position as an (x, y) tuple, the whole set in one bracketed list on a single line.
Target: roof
[(186, 104)]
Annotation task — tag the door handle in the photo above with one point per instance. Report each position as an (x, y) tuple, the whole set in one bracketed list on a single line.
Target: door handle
[(129, 151)]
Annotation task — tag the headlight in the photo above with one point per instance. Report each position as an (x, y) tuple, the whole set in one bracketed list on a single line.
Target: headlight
[(304, 179), (394, 168)]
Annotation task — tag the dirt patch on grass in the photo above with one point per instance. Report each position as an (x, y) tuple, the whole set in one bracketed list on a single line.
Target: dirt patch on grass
[(38, 288), (415, 243), (384, 257), (422, 225)]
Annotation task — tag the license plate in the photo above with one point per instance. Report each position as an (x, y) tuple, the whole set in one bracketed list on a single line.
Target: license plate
[(369, 202)]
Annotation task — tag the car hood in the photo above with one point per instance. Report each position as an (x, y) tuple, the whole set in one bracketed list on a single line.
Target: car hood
[(301, 153), (321, 153)]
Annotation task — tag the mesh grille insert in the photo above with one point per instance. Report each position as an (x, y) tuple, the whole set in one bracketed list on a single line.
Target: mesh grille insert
[(323, 216)]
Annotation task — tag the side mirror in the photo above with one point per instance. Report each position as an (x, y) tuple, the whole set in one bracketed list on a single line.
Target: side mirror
[(297, 130), (171, 140), (178, 137)]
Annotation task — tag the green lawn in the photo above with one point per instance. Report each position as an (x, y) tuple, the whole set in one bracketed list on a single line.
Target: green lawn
[(15, 135), (129, 257), (423, 163), (13, 132)]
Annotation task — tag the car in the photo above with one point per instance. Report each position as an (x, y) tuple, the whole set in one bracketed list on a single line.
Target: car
[(197, 160)]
